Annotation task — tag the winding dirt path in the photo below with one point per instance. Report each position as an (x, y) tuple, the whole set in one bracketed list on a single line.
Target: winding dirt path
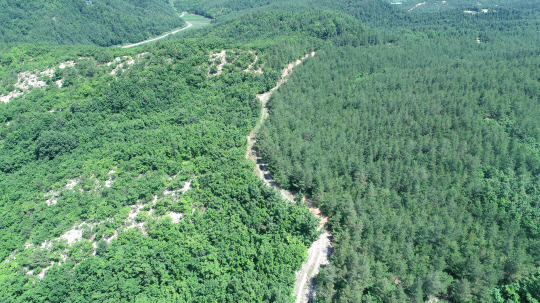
[(320, 250), (417, 5), (189, 24)]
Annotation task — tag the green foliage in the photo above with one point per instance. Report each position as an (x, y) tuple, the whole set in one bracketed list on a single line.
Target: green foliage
[(106, 143), (420, 143), (424, 153), (371, 12), (315, 23), (53, 143), (101, 22), (526, 290)]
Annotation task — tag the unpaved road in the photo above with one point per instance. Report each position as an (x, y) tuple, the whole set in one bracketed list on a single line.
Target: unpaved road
[(320, 250), (162, 36)]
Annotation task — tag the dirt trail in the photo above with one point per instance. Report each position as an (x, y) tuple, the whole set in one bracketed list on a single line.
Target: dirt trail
[(162, 36), (320, 250), (417, 5), (250, 67)]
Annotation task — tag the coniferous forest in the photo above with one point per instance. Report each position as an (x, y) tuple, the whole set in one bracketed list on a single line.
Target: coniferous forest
[(415, 128)]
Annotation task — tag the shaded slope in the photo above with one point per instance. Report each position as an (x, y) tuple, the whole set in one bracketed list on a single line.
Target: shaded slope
[(101, 22)]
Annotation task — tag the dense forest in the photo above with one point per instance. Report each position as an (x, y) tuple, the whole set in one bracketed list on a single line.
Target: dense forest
[(100, 22), (368, 11), (123, 175), (123, 172), (81, 159), (424, 152)]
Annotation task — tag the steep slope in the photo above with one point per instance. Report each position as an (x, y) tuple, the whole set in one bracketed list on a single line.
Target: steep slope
[(123, 171), (101, 22), (124, 178), (372, 12), (320, 250), (129, 183), (424, 154)]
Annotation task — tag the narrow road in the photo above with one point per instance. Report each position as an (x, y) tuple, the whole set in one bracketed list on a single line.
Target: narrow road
[(320, 250), (162, 36)]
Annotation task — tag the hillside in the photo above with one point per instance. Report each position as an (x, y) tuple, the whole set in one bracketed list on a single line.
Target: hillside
[(100, 22), (131, 176), (124, 169), (371, 12), (424, 154), (287, 151)]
